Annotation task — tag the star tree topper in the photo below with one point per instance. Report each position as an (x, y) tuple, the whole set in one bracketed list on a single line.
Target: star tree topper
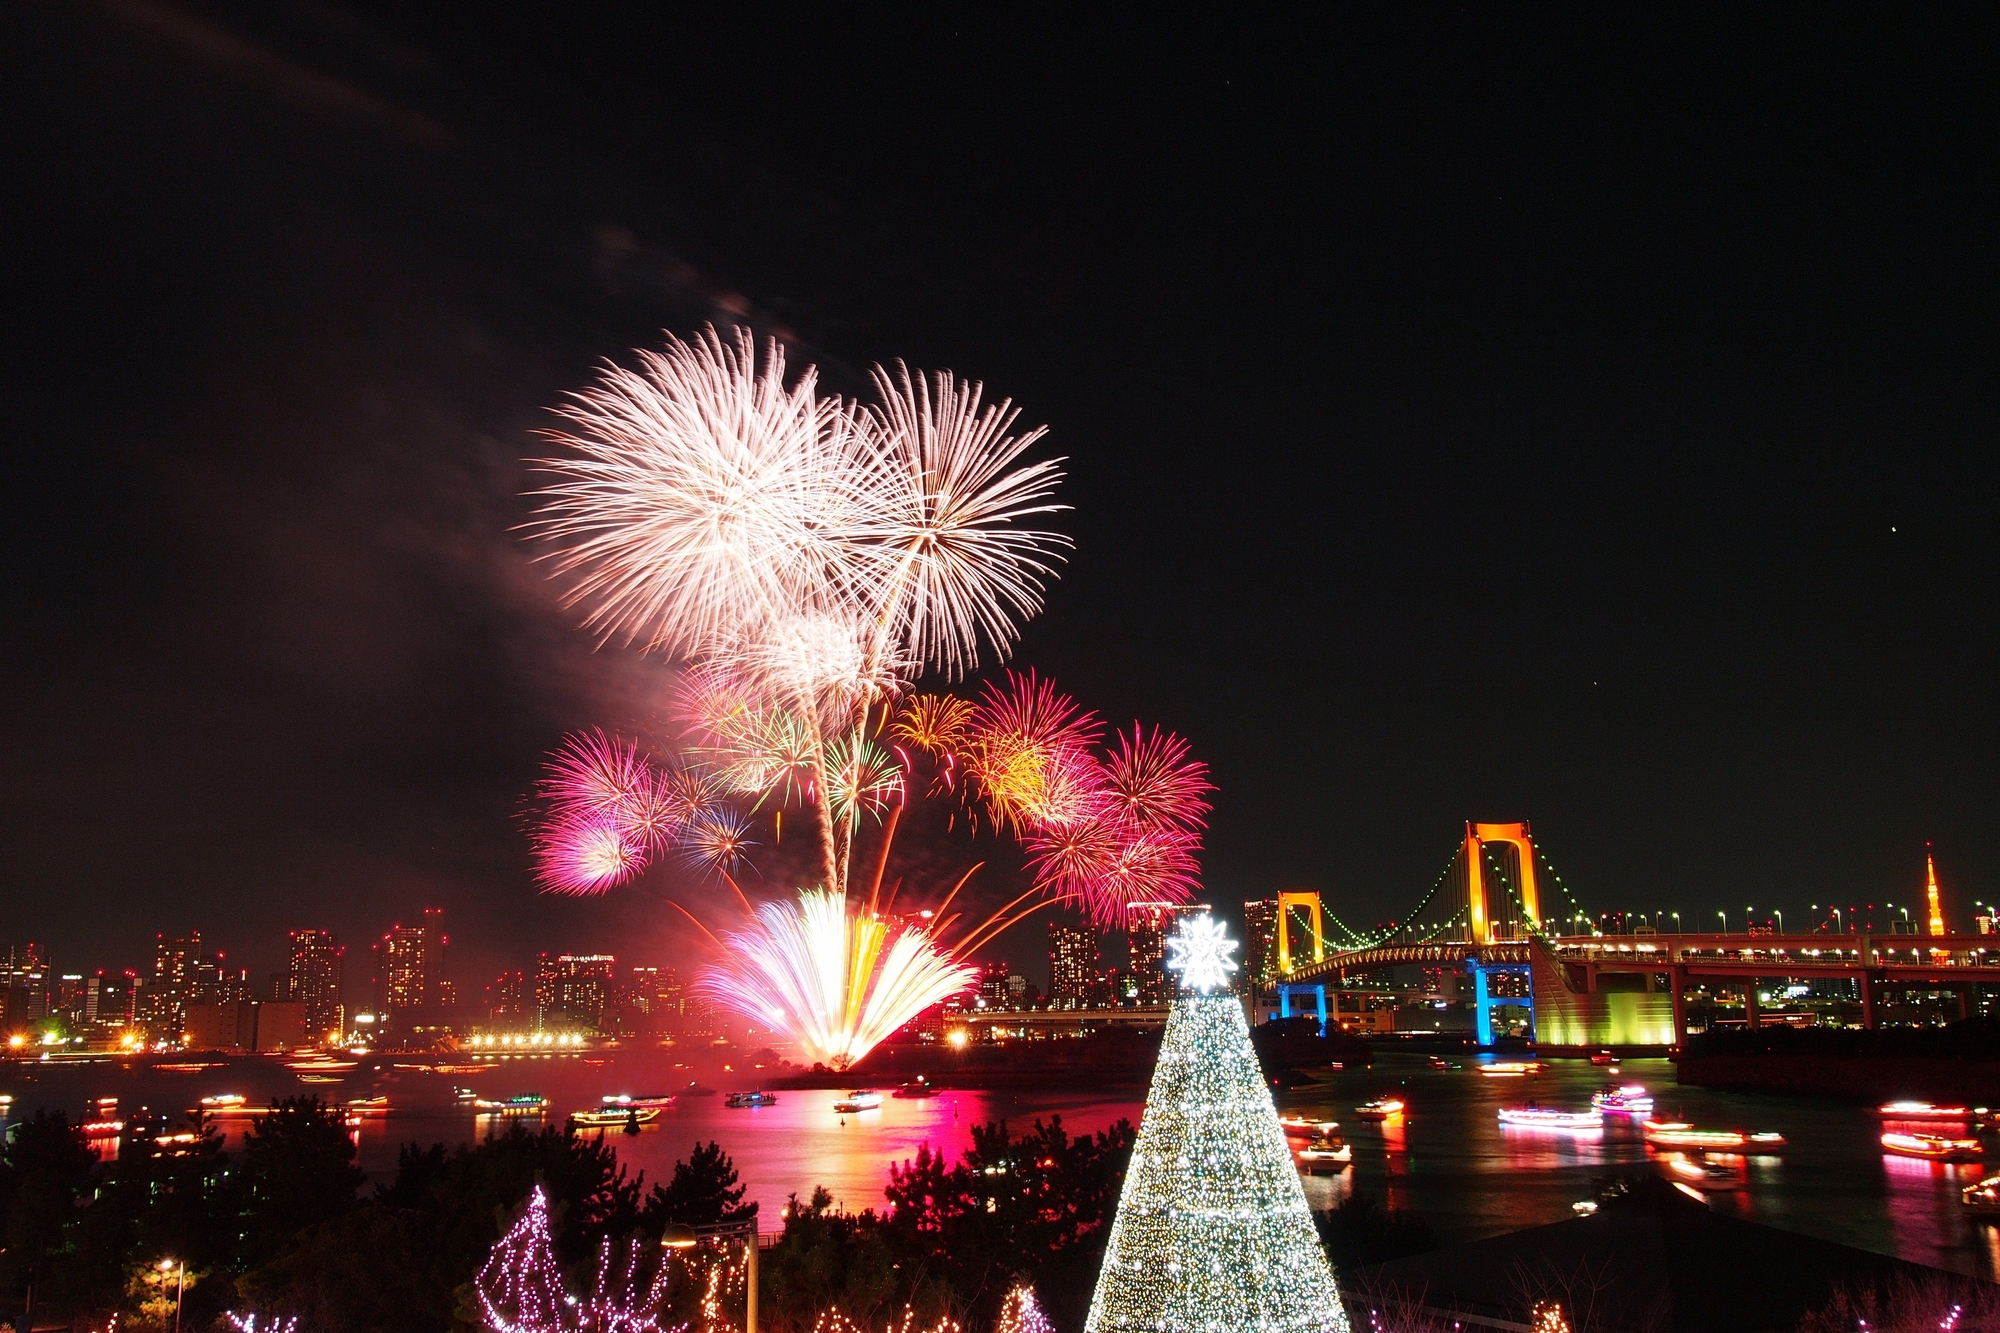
[(1200, 951)]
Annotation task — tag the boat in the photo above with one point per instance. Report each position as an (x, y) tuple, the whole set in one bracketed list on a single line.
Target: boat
[(1305, 1127), (918, 1088), (696, 1090), (1439, 1062), (368, 1106), (1546, 1117), (1512, 1069), (1604, 1058), (223, 1101), (659, 1101), (1379, 1109), (1680, 1134), (743, 1099), (1632, 1099), (1983, 1199), (1925, 1111), (525, 1104), (1708, 1176), (859, 1100), (611, 1117), (1325, 1155), (1933, 1148), (102, 1129)]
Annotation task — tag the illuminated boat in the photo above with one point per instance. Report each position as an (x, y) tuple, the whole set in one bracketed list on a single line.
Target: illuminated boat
[(1305, 1127), (1545, 1117), (743, 1099), (612, 1117), (1679, 1134), (859, 1100), (1380, 1109), (918, 1088), (1604, 1058), (1628, 1100), (659, 1101), (360, 1106), (1983, 1199), (694, 1089), (1706, 1176), (1933, 1148), (1439, 1062), (526, 1104), (1511, 1069), (1325, 1155), (103, 1129), (1924, 1111), (230, 1103)]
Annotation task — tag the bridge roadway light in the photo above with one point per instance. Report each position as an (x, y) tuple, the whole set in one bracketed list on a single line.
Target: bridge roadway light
[(1725, 921), (1781, 919)]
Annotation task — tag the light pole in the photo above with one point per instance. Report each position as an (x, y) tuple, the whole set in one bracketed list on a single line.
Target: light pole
[(178, 1267), (1677, 923), (1725, 921), (1781, 919)]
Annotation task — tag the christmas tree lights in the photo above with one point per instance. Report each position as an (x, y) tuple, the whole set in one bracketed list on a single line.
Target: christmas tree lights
[(1213, 1232), (520, 1287), (1020, 1313)]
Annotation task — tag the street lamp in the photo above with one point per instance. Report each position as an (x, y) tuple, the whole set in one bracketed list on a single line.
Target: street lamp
[(178, 1267), (1725, 921), (1781, 919), (1677, 923)]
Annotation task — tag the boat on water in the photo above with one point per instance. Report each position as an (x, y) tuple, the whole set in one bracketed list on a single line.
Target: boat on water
[(1680, 1134), (859, 1100), (1925, 1111), (230, 1103), (611, 1117), (1379, 1109), (1439, 1062), (746, 1099), (1632, 1099), (658, 1101), (368, 1106), (1548, 1117), (1604, 1058), (696, 1090), (1709, 1177), (1306, 1127), (917, 1088), (1324, 1155), (1933, 1147), (1983, 1199), (1512, 1069), (102, 1129), (526, 1104)]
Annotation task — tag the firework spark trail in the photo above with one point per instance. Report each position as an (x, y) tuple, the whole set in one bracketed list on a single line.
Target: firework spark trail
[(1152, 782), (834, 982), (1029, 751)]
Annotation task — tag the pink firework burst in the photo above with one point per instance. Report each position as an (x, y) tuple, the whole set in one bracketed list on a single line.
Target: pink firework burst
[(1152, 782), (1028, 748), (586, 854)]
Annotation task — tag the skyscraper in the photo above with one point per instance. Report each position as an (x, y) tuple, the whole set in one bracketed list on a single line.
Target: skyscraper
[(508, 997), (313, 977), (578, 985), (24, 985), (412, 956), (1260, 956), (176, 972), (1072, 962), (1146, 927)]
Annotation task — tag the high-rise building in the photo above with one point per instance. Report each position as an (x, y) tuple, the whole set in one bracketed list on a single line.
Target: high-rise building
[(66, 1000), (1072, 962), (1147, 926), (993, 988), (508, 997), (578, 985), (111, 999), (176, 973), (24, 986), (313, 978), (1260, 952), (412, 957)]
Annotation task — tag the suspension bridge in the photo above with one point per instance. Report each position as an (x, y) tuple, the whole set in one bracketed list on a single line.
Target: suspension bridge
[(1500, 919)]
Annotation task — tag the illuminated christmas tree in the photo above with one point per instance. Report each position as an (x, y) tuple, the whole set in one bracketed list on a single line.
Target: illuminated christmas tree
[(1213, 1231), (520, 1288)]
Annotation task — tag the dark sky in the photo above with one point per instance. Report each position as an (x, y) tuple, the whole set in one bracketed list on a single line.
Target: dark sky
[(1553, 413)]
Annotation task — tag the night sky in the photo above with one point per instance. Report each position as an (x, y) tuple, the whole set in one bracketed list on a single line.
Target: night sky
[(1551, 413)]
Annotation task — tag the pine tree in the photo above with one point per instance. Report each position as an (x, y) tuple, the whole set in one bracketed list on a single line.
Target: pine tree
[(1213, 1231)]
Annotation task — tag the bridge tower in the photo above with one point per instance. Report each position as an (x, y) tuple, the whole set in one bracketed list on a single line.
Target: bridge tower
[(1309, 900), (1523, 843)]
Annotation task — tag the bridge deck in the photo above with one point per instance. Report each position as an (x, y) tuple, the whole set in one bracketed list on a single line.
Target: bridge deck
[(1956, 958)]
